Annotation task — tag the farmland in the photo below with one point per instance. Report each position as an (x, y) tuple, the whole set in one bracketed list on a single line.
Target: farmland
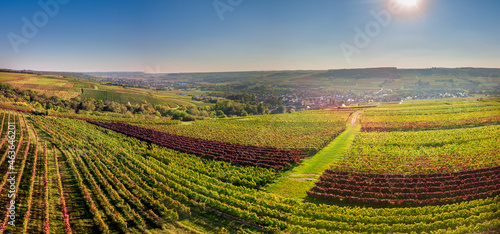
[(392, 190), (68, 87), (132, 97), (48, 85), (88, 178), (186, 188)]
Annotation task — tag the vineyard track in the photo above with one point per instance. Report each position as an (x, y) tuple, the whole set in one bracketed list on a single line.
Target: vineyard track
[(355, 117), (302, 177)]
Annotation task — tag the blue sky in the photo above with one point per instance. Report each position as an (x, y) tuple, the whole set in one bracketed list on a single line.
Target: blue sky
[(190, 36)]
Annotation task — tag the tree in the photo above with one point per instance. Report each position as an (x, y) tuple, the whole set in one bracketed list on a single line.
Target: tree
[(243, 113), (261, 108), (220, 114), (280, 110)]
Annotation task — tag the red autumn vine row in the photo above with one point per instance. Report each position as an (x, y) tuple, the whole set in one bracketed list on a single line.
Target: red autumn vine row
[(414, 190), (361, 176), (414, 125)]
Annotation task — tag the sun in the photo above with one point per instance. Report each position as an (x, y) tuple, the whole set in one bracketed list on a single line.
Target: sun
[(408, 3), (406, 7)]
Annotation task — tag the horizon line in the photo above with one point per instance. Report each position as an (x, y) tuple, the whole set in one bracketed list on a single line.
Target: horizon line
[(244, 71)]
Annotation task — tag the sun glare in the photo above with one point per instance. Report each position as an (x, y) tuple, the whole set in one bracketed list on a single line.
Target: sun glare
[(408, 3)]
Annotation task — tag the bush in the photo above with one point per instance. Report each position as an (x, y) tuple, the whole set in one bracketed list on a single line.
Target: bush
[(179, 115), (189, 118)]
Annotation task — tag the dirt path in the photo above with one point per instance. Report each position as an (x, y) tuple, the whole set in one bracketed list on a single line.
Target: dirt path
[(355, 117)]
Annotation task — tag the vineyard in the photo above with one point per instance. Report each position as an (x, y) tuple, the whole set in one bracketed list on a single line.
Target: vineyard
[(83, 176), (423, 151), (305, 130), (237, 154), (428, 115), (433, 165), (415, 190), (132, 98)]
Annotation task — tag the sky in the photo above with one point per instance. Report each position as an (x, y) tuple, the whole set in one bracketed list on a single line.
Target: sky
[(171, 36)]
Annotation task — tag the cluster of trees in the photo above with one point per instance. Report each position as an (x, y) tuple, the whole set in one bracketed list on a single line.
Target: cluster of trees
[(228, 108)]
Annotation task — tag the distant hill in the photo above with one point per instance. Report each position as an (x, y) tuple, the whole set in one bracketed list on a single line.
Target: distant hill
[(54, 73), (357, 80), (354, 79)]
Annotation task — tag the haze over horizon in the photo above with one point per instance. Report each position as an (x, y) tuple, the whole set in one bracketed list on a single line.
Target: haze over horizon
[(168, 36)]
